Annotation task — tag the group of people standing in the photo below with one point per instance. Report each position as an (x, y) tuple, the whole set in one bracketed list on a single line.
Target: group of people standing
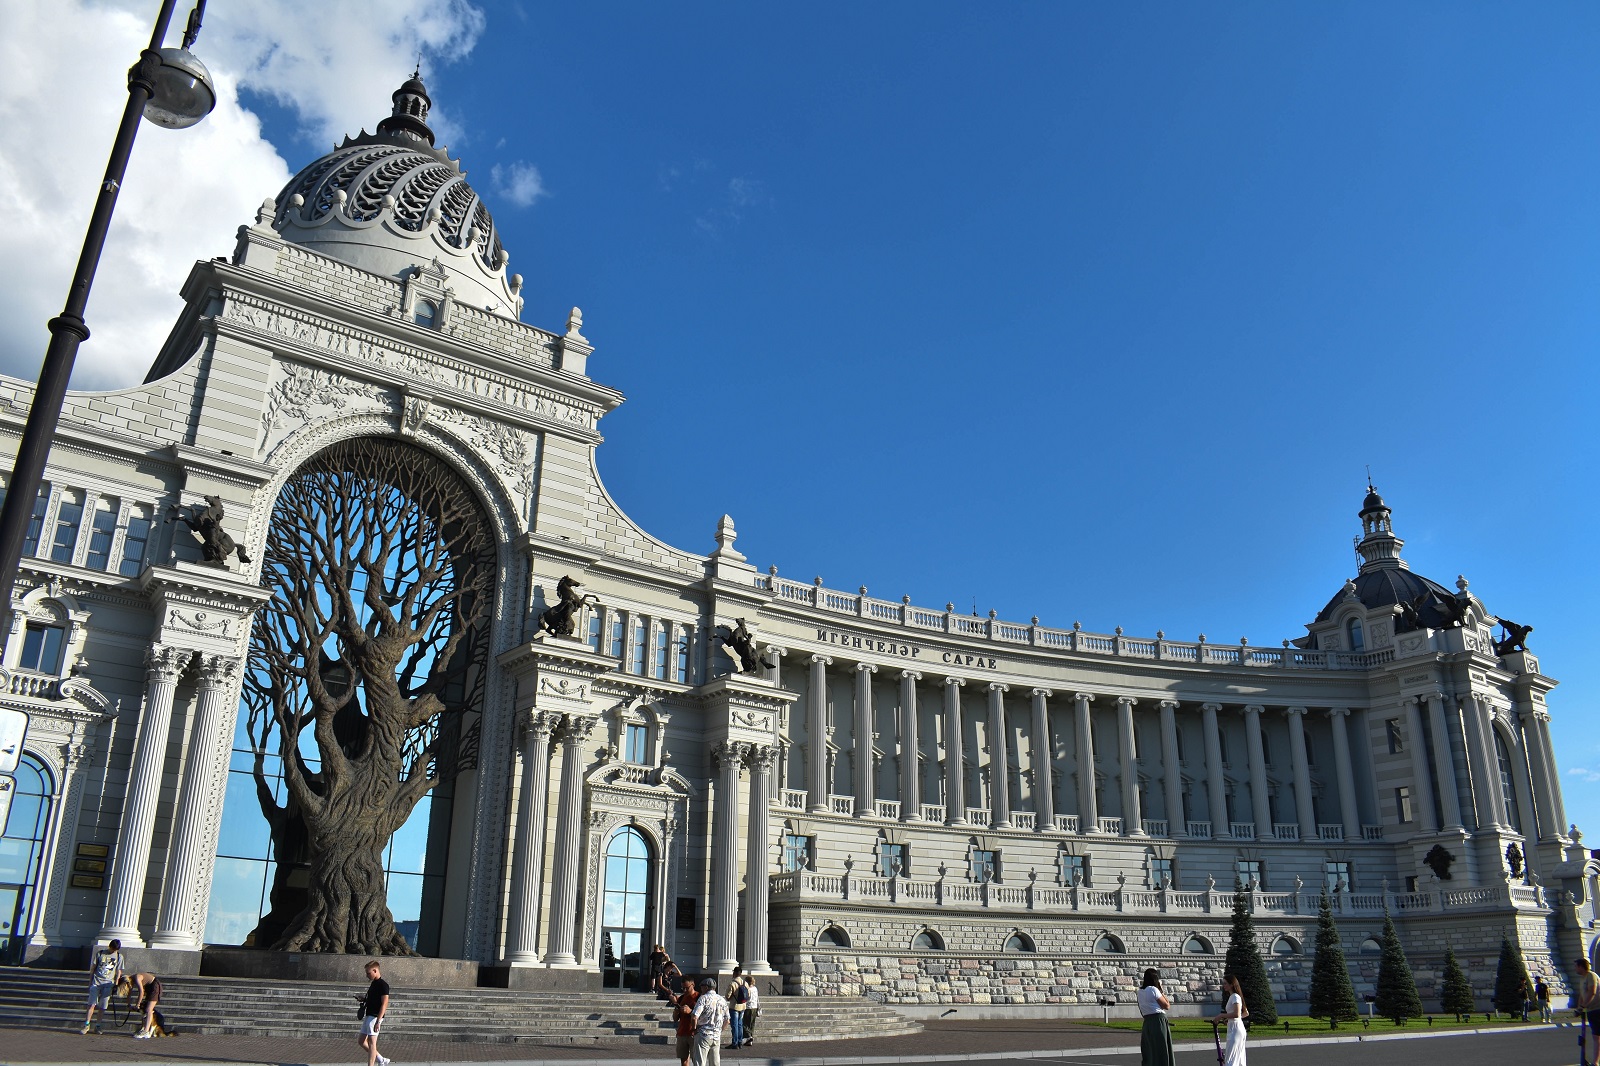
[(701, 1012), (1155, 1042), (107, 979)]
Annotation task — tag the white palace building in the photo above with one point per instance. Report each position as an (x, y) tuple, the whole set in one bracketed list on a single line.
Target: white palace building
[(915, 804)]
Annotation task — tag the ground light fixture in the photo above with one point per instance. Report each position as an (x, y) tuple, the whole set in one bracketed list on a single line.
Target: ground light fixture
[(171, 88)]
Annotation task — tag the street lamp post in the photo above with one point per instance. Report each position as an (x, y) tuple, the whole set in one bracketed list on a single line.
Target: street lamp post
[(172, 88)]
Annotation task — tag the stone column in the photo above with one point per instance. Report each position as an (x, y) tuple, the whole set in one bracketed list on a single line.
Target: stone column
[(1557, 806), (863, 757), (1302, 774), (1259, 805), (527, 856), (955, 791), (1421, 783), (1547, 812), (772, 663), (1044, 785), (1486, 800), (726, 757), (1172, 769), (208, 756), (1216, 790), (569, 843), (1132, 816), (817, 735), (1449, 792), (163, 666), (760, 760), (1349, 812), (1088, 810), (910, 749), (999, 759)]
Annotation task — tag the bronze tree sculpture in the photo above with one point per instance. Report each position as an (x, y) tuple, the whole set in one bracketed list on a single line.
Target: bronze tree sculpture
[(374, 641)]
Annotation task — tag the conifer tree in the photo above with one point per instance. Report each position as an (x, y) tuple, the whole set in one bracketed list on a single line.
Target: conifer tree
[(1332, 995), (1397, 997), (1244, 959), (1456, 995), (1511, 982)]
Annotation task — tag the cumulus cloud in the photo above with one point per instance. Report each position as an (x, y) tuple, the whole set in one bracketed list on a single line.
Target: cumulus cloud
[(63, 66), (518, 184), (1584, 774)]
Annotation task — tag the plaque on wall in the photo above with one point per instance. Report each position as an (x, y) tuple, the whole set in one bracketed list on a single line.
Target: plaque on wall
[(94, 851), (89, 866), (88, 881), (686, 912)]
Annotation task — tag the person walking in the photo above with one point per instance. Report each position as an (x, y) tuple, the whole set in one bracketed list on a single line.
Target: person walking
[(105, 970), (1541, 996), (657, 965), (682, 1013), (738, 999), (752, 1009), (1234, 1012), (1586, 1001), (148, 988), (1525, 995), (376, 1006), (710, 1015), (1155, 1042)]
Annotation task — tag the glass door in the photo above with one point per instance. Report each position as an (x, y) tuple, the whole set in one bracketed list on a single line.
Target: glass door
[(625, 910)]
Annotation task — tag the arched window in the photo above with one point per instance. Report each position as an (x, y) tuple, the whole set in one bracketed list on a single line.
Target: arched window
[(927, 940), (833, 937), (425, 313), (1370, 946), (1198, 945), (1508, 789), (1285, 945), (1358, 639), (1108, 944), (625, 908), (21, 852), (1020, 942)]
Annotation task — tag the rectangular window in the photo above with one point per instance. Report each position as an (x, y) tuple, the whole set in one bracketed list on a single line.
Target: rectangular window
[(1266, 748), (1336, 875), (1392, 728), (594, 629), (985, 865), (616, 636), (101, 532), (1162, 873), (796, 852), (1074, 870), (636, 653), (42, 647), (1402, 803), (30, 542), (69, 514), (683, 659), (136, 542), (1250, 873), (890, 854), (659, 667), (633, 744), (1411, 883)]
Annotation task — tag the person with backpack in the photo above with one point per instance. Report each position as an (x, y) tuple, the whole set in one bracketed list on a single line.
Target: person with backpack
[(738, 998), (752, 1009), (105, 970)]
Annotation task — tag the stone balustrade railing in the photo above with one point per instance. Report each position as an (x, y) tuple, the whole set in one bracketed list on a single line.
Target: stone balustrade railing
[(1032, 634), (39, 686), (804, 886)]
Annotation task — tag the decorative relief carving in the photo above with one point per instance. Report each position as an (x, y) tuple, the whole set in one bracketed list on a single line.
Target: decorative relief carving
[(750, 719), (204, 622), (166, 663), (304, 389), (416, 413), (572, 690), (512, 451)]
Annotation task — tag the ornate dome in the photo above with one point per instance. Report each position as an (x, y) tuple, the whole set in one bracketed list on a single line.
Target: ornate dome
[(390, 202)]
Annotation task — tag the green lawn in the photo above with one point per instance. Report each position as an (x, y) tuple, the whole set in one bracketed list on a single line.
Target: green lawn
[(1200, 1029)]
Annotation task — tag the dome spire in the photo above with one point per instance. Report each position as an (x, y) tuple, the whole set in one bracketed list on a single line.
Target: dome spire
[(409, 120), (1378, 546)]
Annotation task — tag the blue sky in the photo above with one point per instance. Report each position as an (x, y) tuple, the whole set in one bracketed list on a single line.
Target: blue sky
[(1094, 312)]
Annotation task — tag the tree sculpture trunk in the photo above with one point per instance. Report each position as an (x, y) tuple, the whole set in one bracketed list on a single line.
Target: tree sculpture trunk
[(348, 910)]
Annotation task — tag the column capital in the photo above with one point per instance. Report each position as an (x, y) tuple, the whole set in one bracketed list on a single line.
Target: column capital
[(910, 675), (1041, 693), (773, 649), (1212, 707), (1294, 710), (1254, 708), (821, 660), (997, 686), (729, 753), (163, 662), (1171, 705), (1411, 701), (1338, 712), (760, 757), (575, 728), (1126, 701), (540, 723), (866, 668), (955, 681), (1083, 697), (216, 671)]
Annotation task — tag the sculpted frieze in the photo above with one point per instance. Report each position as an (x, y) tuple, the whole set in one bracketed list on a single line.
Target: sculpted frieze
[(304, 392)]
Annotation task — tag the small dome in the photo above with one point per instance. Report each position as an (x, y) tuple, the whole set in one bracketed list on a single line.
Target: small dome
[(1383, 588), (1373, 502), (389, 202)]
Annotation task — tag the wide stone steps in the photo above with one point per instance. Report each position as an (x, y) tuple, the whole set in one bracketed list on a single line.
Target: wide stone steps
[(55, 999)]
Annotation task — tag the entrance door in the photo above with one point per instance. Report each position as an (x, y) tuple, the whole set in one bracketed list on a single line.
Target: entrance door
[(625, 910), (10, 914)]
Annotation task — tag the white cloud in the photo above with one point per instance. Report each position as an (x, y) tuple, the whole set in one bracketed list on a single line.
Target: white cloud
[(63, 66), (1584, 774), (518, 184)]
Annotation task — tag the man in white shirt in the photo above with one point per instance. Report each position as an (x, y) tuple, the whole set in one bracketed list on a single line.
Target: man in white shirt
[(710, 1015)]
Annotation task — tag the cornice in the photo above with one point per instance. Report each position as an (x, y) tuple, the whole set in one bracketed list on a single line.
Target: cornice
[(244, 472), (570, 656), (200, 585)]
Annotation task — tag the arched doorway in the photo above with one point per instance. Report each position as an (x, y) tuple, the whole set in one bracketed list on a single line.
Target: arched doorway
[(626, 909), (21, 850)]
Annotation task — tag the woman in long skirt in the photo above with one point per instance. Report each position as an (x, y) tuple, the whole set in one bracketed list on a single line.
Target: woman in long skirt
[(1234, 1013), (1155, 1042)]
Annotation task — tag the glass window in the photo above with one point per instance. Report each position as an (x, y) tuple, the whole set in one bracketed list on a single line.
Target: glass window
[(22, 851), (1250, 873), (1018, 942), (30, 542), (796, 852), (659, 665), (1074, 869), (927, 940), (69, 514), (985, 865), (1197, 945), (1336, 875), (1162, 873), (1266, 747), (1392, 729), (682, 676), (1370, 946), (425, 313), (616, 636), (136, 542), (1285, 945), (1358, 641), (833, 937), (101, 532), (42, 646), (633, 743), (1108, 944), (1402, 803), (636, 652), (594, 629), (1508, 791), (892, 860)]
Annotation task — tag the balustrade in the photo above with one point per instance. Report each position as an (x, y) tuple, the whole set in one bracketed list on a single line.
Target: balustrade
[(888, 809), (978, 815), (1111, 826), (841, 804), (1023, 819), (1242, 830), (39, 686), (1285, 831), (1066, 823), (1156, 827), (1198, 830), (793, 799), (933, 812), (1330, 832), (1372, 832)]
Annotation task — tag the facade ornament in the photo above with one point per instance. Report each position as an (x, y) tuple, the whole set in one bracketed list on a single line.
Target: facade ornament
[(1211, 883), (216, 671), (415, 415), (849, 863), (206, 523), (163, 662), (1515, 639), (575, 326), (575, 729), (739, 641), (561, 618)]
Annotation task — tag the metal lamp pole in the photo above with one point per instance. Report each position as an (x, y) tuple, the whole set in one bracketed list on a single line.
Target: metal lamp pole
[(152, 78)]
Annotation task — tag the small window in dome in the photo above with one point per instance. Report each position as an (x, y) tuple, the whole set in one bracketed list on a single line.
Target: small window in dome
[(426, 313), (1357, 639)]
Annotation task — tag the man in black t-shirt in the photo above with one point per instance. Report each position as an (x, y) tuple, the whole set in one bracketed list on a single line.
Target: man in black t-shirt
[(377, 1005)]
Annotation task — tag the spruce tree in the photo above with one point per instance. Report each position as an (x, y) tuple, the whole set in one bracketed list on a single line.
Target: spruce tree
[(1397, 997), (1244, 960), (1511, 982), (1332, 995), (1456, 995)]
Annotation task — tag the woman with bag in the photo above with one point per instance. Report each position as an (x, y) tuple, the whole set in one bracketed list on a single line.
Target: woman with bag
[(1155, 1042), (738, 999), (752, 1009)]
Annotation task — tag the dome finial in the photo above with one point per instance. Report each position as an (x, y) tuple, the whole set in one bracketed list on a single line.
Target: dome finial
[(409, 119)]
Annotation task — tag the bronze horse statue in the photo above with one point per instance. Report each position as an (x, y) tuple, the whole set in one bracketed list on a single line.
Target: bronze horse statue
[(560, 618), (206, 524)]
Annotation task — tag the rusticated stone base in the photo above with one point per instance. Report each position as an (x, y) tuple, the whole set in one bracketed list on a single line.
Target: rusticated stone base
[(297, 966)]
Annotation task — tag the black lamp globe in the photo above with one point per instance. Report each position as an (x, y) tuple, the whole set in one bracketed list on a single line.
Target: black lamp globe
[(183, 91)]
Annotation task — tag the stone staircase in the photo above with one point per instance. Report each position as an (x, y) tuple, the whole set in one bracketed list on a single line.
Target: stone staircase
[(54, 999)]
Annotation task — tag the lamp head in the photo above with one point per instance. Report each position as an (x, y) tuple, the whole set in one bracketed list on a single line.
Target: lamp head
[(182, 91)]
